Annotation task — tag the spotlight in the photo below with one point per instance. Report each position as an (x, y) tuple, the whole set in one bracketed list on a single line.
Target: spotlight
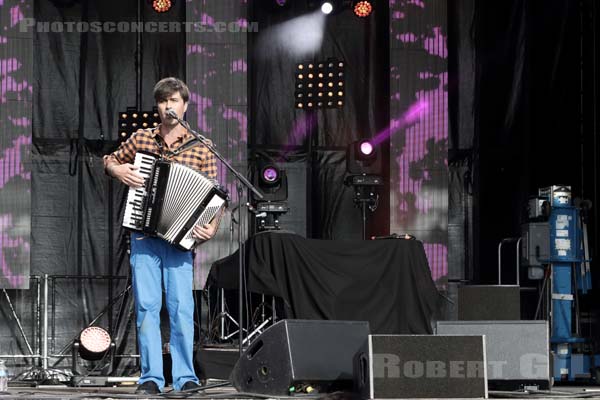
[(270, 175), (326, 7), (365, 148), (161, 6), (363, 8), (94, 342), (362, 158), (364, 169), (272, 182)]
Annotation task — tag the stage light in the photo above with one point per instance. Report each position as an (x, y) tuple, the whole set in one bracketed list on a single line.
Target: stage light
[(363, 8), (132, 119), (271, 180), (364, 168), (270, 175), (94, 342), (326, 7), (366, 148), (362, 157), (322, 79), (162, 5)]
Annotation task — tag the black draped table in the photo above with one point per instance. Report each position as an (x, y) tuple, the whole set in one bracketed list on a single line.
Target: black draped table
[(385, 282)]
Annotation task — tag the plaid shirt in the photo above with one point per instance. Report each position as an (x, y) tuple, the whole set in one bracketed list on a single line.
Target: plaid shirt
[(198, 157)]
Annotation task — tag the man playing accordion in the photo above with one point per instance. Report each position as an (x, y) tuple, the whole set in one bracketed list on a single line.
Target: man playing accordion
[(154, 261)]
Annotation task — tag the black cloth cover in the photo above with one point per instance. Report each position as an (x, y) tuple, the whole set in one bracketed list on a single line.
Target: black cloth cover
[(385, 282)]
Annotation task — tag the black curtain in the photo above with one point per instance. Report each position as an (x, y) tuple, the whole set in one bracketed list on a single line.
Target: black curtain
[(523, 128)]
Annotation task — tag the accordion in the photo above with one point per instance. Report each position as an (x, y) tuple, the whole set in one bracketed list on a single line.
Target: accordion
[(173, 200)]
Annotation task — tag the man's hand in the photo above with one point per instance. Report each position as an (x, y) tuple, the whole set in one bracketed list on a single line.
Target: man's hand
[(126, 173), (204, 232)]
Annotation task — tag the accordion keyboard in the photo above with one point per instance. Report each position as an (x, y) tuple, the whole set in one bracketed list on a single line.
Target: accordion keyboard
[(134, 212)]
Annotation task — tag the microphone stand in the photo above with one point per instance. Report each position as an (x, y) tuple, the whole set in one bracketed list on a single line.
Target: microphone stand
[(241, 182)]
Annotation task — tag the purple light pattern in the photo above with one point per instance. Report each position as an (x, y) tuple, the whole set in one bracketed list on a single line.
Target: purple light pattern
[(419, 136), (15, 145)]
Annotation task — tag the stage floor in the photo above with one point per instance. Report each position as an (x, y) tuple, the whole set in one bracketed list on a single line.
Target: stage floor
[(124, 391), (228, 392)]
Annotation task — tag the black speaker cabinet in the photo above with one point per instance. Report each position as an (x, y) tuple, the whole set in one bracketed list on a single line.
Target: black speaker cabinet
[(301, 356), (422, 366), (489, 303)]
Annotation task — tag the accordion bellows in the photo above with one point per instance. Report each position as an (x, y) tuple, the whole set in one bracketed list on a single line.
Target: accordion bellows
[(173, 200)]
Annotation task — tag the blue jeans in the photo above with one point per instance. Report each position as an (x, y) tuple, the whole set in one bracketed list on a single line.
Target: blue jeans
[(154, 262)]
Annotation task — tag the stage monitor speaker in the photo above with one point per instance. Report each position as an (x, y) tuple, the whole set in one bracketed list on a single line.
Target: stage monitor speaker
[(422, 366), (301, 356), (517, 351), (489, 303)]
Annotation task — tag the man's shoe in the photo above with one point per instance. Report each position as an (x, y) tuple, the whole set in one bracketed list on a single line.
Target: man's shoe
[(148, 387), (190, 385)]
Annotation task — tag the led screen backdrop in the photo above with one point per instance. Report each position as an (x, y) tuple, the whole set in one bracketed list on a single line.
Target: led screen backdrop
[(419, 126), (15, 144), (216, 72)]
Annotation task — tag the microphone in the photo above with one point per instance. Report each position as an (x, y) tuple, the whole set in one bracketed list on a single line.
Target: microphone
[(171, 113)]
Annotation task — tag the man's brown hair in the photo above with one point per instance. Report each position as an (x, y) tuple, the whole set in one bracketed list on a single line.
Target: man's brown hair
[(167, 86)]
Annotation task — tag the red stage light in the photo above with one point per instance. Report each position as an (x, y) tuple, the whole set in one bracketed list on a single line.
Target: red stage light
[(161, 5), (363, 8)]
